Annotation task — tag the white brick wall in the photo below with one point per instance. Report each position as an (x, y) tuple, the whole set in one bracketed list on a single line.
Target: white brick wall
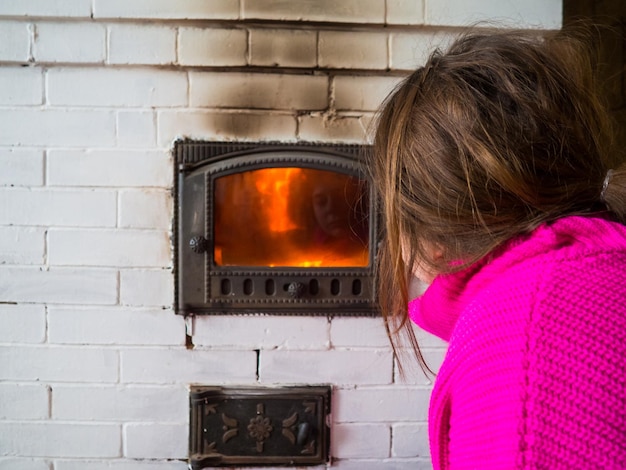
[(95, 366)]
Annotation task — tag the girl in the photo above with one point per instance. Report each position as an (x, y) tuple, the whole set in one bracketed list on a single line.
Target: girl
[(500, 188)]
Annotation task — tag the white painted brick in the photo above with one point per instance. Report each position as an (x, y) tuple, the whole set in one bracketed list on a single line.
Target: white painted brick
[(156, 441), (141, 44), (410, 440), (136, 129), (19, 401), (14, 41), (58, 364), (11, 463), (353, 49), (261, 332), (57, 127), (126, 168), (362, 93), (387, 464), (257, 90), (21, 167), (119, 403), (118, 464), (348, 11), (124, 248), (360, 440), (22, 245), (145, 209), (162, 366), (225, 126), (22, 323), (58, 8), (69, 286), (358, 332), (165, 9), (217, 47), (411, 50), (117, 87), (338, 128), (380, 404), (85, 208), (411, 372), (70, 42), (539, 14), (62, 439), (283, 47), (139, 287), (334, 366), (405, 11), (87, 325), (21, 86)]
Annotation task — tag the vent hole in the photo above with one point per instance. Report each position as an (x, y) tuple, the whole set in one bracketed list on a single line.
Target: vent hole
[(270, 287), (356, 287), (248, 287), (335, 287), (225, 287), (314, 287)]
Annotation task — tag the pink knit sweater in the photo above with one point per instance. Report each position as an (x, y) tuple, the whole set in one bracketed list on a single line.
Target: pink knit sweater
[(535, 373)]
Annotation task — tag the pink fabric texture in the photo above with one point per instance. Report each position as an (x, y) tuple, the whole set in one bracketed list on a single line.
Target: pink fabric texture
[(535, 373)]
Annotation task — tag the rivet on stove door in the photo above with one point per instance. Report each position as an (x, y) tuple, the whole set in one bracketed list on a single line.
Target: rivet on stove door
[(198, 244)]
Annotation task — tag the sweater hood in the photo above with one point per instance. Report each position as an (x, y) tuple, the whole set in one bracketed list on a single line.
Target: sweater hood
[(438, 308)]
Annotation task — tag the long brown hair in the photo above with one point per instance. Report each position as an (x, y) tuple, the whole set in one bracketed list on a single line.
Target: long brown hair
[(503, 132)]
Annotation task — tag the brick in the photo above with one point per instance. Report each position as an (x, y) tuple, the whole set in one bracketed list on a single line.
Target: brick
[(86, 208), (14, 41), (410, 440), (21, 86), (225, 126), (141, 44), (212, 47), (405, 12), (136, 129), (257, 90), (47, 8), (11, 463), (334, 366), (381, 404), (411, 50), (156, 441), (163, 366), (145, 209), (536, 14), (266, 332), (70, 42), (353, 50), (122, 168), (362, 93), (57, 127), (62, 439), (58, 364), (349, 129), (21, 167), (117, 464), (115, 326), (412, 374), (22, 323), (117, 87), (123, 248), (68, 286), (358, 332), (283, 48), (395, 464), (120, 403), (140, 287), (360, 440), (345, 11), (19, 401), (22, 245), (165, 9)]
